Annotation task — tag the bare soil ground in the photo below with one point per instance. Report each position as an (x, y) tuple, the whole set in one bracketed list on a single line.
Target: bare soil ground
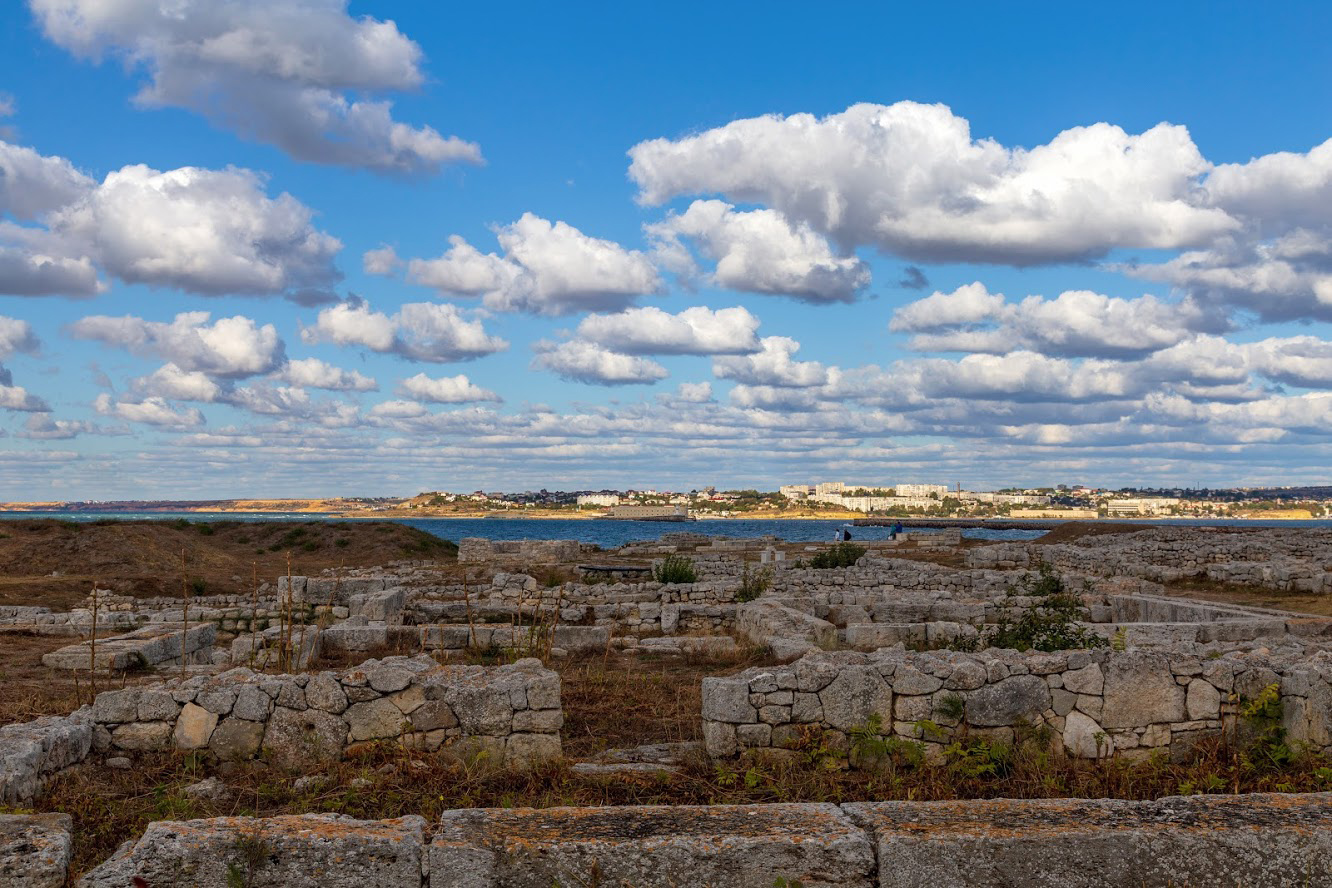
[(1252, 596), (1075, 530), (29, 690), (56, 563)]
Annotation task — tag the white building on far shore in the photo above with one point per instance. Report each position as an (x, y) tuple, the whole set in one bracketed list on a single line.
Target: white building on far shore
[(598, 499)]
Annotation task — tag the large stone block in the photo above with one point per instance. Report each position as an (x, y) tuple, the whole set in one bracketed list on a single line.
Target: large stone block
[(1223, 841), (194, 727), (236, 739), (296, 738), (1140, 690), (35, 850), (1017, 699), (727, 700), (374, 720), (308, 851), (737, 846), (854, 697), (30, 751)]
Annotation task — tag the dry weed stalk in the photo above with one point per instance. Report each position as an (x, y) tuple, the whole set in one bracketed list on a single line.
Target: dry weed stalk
[(185, 611), (92, 647)]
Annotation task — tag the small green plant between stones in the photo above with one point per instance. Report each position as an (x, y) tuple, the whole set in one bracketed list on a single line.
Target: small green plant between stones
[(675, 569)]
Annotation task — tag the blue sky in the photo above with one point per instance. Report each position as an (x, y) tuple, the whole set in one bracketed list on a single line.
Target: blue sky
[(693, 246)]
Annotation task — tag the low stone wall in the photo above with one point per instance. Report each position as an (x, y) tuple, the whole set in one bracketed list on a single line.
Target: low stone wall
[(1097, 703), (511, 713), (1188, 842), (473, 550), (1286, 561)]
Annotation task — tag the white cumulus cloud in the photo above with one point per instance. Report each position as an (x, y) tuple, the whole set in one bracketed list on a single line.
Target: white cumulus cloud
[(693, 331), (1074, 323), (774, 366), (588, 362), (759, 251), (445, 390), (910, 179), (314, 373), (546, 269), (212, 232), (297, 74), (230, 348), (150, 411), (419, 331)]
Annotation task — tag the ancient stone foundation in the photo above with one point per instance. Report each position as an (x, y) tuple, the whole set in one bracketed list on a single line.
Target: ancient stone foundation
[(510, 714), (1096, 703), (1184, 842)]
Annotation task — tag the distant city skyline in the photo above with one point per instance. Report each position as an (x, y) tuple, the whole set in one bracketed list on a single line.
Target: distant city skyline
[(292, 249)]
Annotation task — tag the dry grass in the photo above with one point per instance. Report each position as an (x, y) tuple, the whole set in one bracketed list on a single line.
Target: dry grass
[(630, 701), (29, 690), (1252, 596), (143, 557)]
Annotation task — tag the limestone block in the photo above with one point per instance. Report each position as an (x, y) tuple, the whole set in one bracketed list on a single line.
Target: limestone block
[(544, 721), (719, 739), (295, 738), (387, 679), (436, 714), (1202, 700), (1084, 738), (1087, 680), (907, 679), (374, 719), (854, 696), (235, 739), (156, 706), (739, 846), (529, 750), (1139, 691), (252, 704), (1067, 843), (727, 700), (194, 727), (306, 851), (35, 849), (323, 692), (217, 700), (31, 750), (117, 707), (1019, 698), (142, 735)]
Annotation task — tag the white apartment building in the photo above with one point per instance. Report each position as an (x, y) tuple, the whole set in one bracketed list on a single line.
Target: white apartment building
[(795, 491), (1145, 505), (826, 488), (939, 490), (1005, 499), (598, 499), (878, 503)]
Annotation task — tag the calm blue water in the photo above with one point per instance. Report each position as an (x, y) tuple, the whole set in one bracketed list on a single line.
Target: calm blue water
[(606, 533)]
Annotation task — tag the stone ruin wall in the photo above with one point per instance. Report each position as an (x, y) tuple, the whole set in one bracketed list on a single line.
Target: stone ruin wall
[(509, 713), (1096, 703), (1298, 562), (1222, 841)]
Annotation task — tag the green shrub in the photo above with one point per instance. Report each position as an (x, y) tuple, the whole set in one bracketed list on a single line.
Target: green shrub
[(840, 555), (1050, 623), (753, 583), (675, 569)]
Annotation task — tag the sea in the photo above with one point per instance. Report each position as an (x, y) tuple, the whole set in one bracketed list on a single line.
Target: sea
[(609, 533)]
